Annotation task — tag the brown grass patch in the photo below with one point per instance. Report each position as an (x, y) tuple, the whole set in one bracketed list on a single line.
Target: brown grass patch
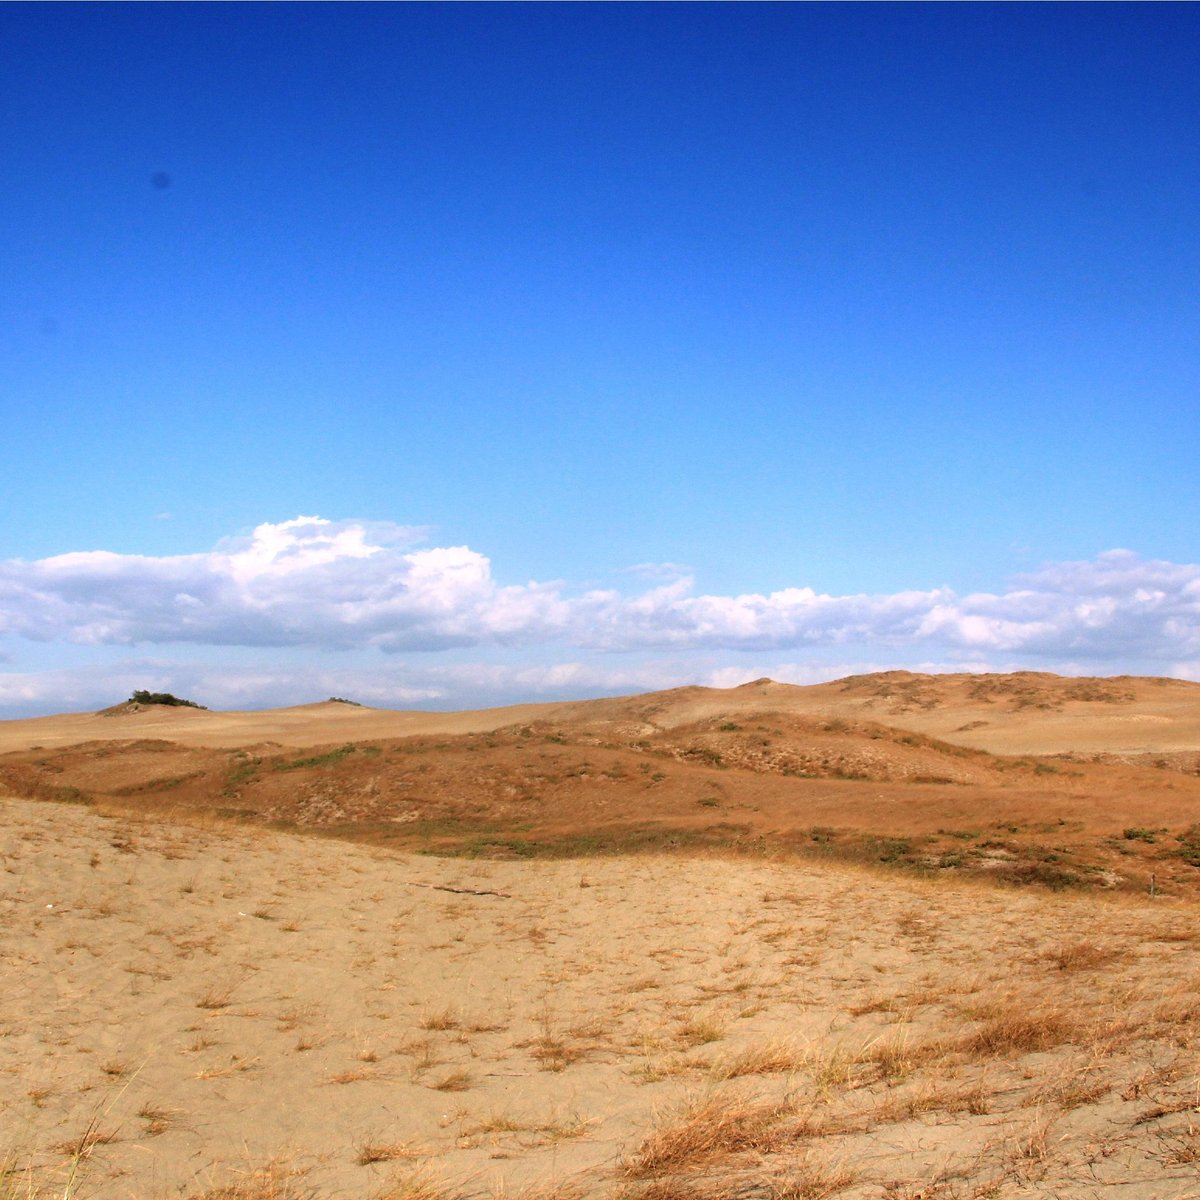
[(272, 1182), (420, 1186), (354, 1075), (456, 1081), (1017, 1030), (1081, 956), (158, 1118), (217, 997), (378, 1152), (708, 1130), (770, 1058), (441, 1020)]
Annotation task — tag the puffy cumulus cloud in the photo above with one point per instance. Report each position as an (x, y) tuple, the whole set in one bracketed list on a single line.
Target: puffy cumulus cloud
[(353, 584)]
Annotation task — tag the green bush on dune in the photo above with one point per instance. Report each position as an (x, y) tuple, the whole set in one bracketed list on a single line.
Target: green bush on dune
[(146, 698)]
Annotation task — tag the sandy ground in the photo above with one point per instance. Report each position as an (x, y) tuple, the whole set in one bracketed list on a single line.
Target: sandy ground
[(186, 1010)]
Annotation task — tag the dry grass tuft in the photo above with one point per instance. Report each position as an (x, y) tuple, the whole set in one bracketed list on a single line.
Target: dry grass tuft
[(158, 1118), (556, 1054), (810, 1180), (700, 1031), (770, 1058), (217, 997), (378, 1152), (456, 1081), (712, 1128), (1183, 1148), (441, 1020), (272, 1182), (1081, 956), (354, 1075), (1019, 1030), (565, 1190), (418, 1186), (16, 1178)]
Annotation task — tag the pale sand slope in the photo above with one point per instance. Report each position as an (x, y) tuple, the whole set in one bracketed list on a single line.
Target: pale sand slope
[(219, 999), (302, 725)]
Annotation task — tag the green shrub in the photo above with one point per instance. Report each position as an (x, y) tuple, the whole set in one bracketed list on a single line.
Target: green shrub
[(164, 698), (1135, 834), (1189, 845)]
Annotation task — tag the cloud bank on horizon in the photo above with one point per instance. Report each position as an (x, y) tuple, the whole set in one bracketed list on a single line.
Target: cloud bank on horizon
[(311, 584)]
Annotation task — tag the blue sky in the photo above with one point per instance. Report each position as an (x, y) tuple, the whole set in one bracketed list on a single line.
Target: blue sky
[(758, 320)]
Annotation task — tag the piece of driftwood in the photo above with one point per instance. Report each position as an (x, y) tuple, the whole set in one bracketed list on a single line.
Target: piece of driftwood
[(442, 887)]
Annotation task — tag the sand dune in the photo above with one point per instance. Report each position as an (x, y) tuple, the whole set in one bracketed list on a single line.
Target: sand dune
[(851, 769), (1023, 713), (757, 950)]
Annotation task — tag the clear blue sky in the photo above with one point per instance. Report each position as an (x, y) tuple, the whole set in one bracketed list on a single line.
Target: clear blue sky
[(857, 298)]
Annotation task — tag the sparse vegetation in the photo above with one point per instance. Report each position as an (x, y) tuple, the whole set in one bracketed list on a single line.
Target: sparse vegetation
[(315, 760)]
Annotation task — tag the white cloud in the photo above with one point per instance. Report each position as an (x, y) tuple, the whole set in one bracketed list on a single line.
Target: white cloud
[(310, 582), (664, 572)]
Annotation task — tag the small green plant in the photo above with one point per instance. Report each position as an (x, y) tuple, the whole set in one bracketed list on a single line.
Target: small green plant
[(1135, 834)]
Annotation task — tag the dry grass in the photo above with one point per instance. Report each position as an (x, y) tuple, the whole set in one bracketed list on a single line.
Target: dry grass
[(217, 997), (1015, 1029), (441, 1020), (1082, 956), (1184, 1147), (775, 1057), (420, 1185), (159, 1118), (379, 1152), (810, 1179), (710, 1129), (456, 1081), (700, 1031), (553, 1053), (354, 1075), (273, 1182)]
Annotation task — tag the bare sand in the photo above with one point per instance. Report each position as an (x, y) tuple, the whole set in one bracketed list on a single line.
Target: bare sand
[(237, 1014)]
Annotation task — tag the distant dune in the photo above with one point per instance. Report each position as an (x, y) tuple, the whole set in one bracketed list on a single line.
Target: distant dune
[(1023, 713), (1028, 776)]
